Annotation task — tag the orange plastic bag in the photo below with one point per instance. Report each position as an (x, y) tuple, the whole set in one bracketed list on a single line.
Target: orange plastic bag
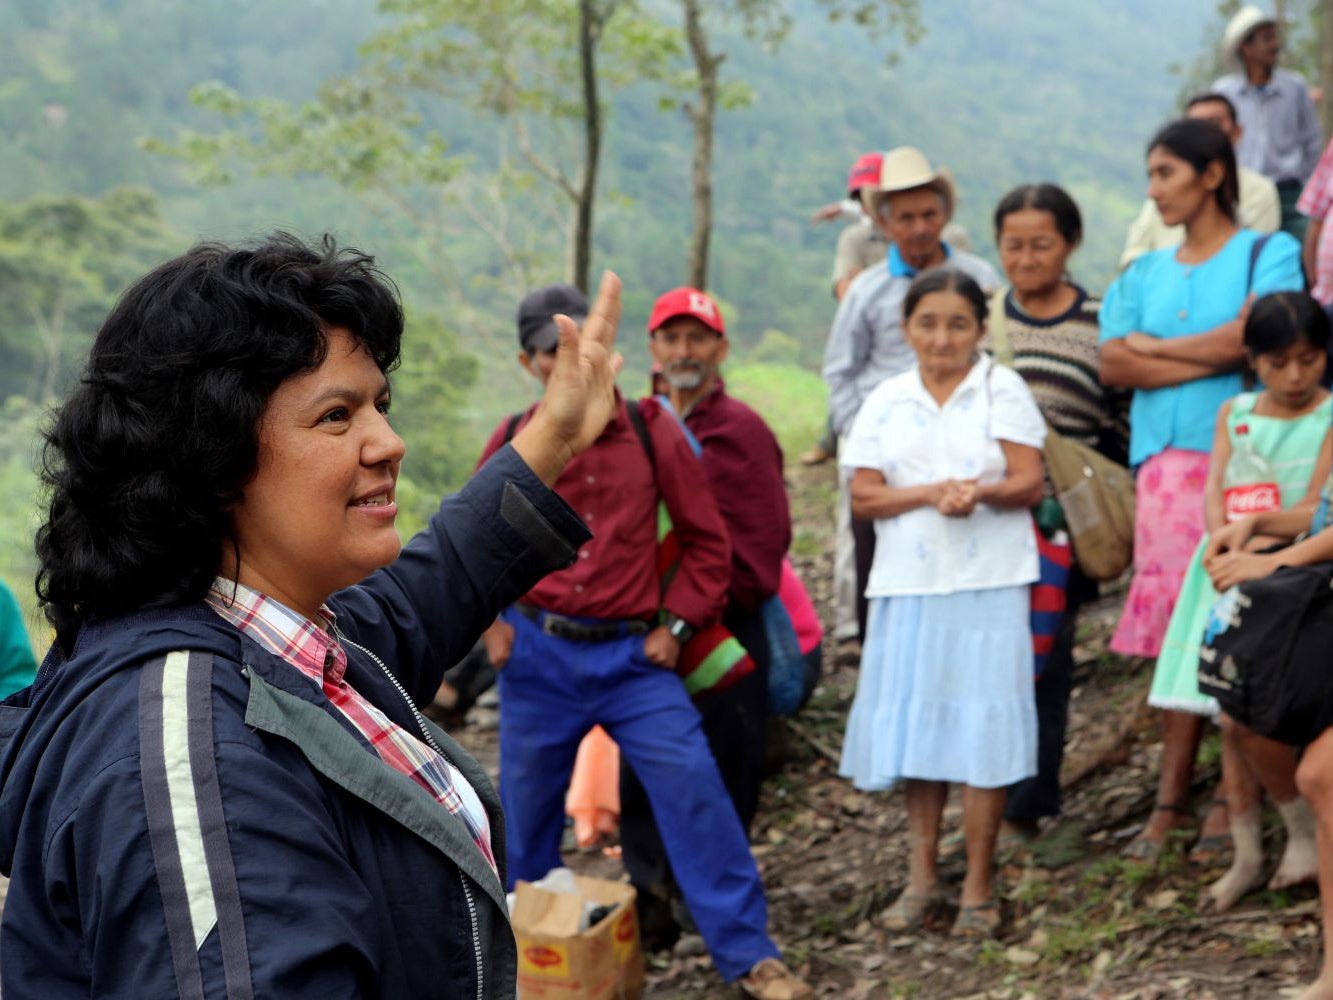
[(593, 800)]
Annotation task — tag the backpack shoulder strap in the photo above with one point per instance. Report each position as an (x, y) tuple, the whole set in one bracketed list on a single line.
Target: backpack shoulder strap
[(1256, 248), (641, 431), (512, 425)]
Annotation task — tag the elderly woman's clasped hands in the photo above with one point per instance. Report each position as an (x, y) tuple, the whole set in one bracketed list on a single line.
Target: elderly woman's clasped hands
[(956, 497)]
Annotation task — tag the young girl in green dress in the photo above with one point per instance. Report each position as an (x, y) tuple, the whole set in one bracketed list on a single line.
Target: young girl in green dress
[(1286, 425)]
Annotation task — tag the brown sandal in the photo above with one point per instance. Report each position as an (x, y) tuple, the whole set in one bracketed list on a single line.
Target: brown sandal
[(771, 980), (980, 921), (1147, 851), (909, 912)]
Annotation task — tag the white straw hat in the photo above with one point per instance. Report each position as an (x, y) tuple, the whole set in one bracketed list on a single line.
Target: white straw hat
[(1241, 25), (904, 169)]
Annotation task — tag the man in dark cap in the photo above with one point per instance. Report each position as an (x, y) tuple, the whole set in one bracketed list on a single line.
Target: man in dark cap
[(597, 644)]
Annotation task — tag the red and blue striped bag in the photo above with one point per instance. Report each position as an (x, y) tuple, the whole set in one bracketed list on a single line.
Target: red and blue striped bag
[(1049, 596)]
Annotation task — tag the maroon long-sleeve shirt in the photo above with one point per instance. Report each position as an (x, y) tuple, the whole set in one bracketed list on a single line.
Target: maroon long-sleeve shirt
[(612, 487), (744, 465)]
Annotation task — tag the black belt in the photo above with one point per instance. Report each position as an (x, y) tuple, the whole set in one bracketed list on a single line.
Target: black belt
[(581, 631)]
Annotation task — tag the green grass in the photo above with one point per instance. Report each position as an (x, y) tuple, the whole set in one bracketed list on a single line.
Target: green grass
[(806, 544), (793, 400)]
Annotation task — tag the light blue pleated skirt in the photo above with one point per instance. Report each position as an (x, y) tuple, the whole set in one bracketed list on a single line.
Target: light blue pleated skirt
[(945, 692)]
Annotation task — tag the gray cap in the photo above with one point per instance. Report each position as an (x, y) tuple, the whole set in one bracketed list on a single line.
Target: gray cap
[(537, 311)]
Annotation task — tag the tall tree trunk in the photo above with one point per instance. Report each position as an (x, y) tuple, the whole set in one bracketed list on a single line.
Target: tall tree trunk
[(53, 335), (1325, 15), (590, 26), (703, 115)]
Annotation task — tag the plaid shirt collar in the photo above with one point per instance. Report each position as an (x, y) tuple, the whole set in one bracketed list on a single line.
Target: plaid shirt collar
[(311, 647)]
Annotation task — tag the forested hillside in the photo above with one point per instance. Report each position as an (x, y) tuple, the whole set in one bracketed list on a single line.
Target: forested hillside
[(1000, 93)]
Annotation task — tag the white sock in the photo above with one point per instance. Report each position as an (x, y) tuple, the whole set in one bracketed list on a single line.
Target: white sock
[(1300, 858), (1247, 860), (1298, 818)]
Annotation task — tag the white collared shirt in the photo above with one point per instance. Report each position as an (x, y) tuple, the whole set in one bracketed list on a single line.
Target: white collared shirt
[(905, 435)]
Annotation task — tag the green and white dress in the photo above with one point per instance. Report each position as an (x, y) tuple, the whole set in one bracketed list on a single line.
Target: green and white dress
[(1291, 448)]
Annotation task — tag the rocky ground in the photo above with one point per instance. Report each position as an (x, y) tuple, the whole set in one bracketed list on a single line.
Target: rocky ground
[(1080, 922)]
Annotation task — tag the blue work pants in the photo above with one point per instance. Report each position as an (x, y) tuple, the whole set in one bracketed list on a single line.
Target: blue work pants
[(552, 691)]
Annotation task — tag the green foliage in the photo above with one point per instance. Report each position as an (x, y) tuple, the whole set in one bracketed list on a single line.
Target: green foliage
[(63, 261), (792, 400), (776, 347), (512, 66), (430, 391), (770, 21)]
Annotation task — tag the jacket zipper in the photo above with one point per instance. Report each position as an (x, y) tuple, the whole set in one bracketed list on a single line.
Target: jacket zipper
[(430, 742)]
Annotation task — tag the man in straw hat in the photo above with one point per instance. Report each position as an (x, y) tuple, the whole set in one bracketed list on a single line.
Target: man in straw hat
[(912, 204), (1281, 136)]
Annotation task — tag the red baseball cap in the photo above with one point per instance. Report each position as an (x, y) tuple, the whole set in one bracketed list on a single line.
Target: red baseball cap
[(687, 302), (864, 172)]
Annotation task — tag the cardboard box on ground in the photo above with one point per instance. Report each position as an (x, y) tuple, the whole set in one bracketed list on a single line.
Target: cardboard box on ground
[(556, 959)]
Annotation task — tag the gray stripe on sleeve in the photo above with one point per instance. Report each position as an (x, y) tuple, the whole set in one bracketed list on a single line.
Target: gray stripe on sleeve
[(213, 825), (162, 834)]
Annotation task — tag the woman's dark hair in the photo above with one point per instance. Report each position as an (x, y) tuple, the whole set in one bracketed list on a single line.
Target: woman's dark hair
[(944, 279), (146, 457), (1200, 143), (1044, 198), (1281, 319)]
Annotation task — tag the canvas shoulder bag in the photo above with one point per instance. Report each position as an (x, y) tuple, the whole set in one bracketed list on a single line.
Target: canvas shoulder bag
[(1095, 493)]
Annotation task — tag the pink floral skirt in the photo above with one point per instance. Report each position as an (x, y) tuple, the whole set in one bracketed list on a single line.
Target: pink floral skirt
[(1168, 523)]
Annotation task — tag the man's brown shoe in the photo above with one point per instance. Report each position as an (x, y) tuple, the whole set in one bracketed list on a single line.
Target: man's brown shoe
[(817, 455), (771, 980)]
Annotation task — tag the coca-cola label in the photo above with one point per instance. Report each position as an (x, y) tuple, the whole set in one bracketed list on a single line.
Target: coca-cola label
[(1252, 498)]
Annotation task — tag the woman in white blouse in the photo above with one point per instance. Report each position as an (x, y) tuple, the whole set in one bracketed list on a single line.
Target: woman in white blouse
[(947, 461)]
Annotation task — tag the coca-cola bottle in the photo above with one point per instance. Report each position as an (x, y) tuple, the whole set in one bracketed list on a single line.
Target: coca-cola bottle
[(1248, 485)]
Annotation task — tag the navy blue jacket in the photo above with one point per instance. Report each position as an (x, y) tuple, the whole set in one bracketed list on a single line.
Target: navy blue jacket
[(184, 814)]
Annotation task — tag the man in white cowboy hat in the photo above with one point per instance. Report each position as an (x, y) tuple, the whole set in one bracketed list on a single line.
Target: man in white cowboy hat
[(912, 204), (1281, 136)]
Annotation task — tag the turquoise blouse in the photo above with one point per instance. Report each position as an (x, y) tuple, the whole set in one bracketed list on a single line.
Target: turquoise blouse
[(1159, 295)]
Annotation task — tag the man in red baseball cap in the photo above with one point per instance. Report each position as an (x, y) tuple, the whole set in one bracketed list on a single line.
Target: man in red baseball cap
[(860, 244), (597, 643), (688, 338)]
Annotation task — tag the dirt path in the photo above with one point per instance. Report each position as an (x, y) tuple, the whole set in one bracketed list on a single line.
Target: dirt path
[(1079, 921)]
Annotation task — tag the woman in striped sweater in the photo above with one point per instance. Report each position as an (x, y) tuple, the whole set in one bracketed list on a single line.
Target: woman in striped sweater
[(1045, 326)]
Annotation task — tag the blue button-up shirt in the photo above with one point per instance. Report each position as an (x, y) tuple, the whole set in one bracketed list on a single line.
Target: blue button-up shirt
[(867, 345), (1281, 137)]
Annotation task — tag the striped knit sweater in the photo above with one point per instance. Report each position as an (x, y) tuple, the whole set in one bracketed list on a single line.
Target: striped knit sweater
[(1057, 357)]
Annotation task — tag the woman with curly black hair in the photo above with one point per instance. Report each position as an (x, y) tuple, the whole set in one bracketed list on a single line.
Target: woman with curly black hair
[(219, 782)]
